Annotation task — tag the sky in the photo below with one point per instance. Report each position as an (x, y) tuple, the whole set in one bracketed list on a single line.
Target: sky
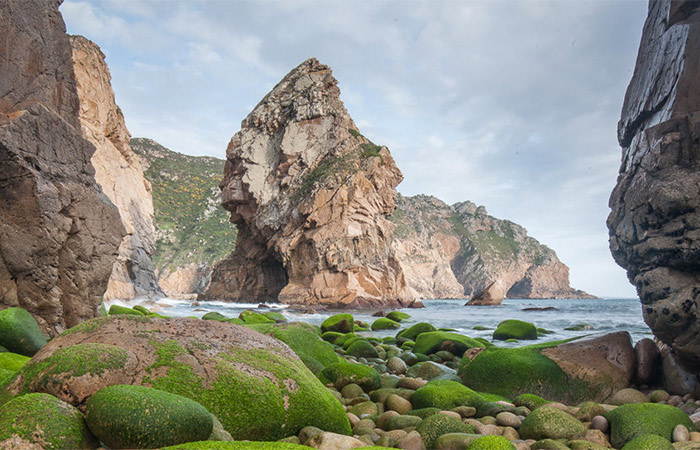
[(510, 104)]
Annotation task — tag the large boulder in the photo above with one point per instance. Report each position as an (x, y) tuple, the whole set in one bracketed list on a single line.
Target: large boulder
[(254, 384), (655, 219)]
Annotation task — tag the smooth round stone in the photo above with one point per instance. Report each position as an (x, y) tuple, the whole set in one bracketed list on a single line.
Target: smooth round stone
[(357, 400), (364, 409), (412, 383), (680, 434), (488, 420), (364, 426), (456, 415), (659, 396), (445, 355), (397, 403), (396, 365), (351, 390), (465, 411), (390, 380), (510, 433), (600, 423), (508, 419), (352, 418), (396, 435), (490, 430), (675, 400), (409, 358), (384, 417), (402, 422), (695, 436), (381, 368)]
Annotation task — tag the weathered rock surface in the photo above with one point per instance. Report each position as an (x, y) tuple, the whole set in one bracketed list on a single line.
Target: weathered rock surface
[(59, 233), (310, 197), (655, 220), (118, 171), (458, 251), (493, 294)]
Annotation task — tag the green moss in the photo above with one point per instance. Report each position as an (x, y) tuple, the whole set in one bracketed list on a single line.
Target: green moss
[(342, 340), (314, 352), (412, 332), (362, 348), (433, 427), (530, 401), (213, 315), (515, 329), (648, 442), (550, 423), (384, 323), (331, 336), (92, 325), (491, 443), (19, 332), (12, 361), (424, 412), (117, 309), (47, 421), (251, 317), (445, 394), (433, 341), (142, 309), (634, 419), (398, 316), (275, 316), (240, 445), (341, 323), (480, 328), (124, 416), (341, 374)]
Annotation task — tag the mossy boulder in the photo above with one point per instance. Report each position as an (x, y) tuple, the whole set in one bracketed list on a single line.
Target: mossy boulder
[(12, 361), (250, 317), (515, 329), (19, 332), (412, 332), (648, 442), (491, 443), (343, 373), (331, 336), (254, 384), (124, 416), (313, 351), (214, 315), (398, 316), (635, 419), (44, 420), (341, 323), (445, 394), (433, 427), (530, 401), (362, 348), (116, 310), (550, 423), (433, 341), (384, 323), (245, 445)]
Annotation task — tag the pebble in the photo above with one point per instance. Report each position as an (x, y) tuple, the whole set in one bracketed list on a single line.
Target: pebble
[(695, 436), (352, 418), (456, 415), (381, 421), (600, 423), (675, 400), (396, 365), (397, 403), (411, 383), (510, 433), (412, 441), (465, 411), (680, 434), (508, 419)]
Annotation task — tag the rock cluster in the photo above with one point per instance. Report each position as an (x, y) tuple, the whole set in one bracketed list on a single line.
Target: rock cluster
[(655, 221), (118, 171), (310, 197), (59, 233)]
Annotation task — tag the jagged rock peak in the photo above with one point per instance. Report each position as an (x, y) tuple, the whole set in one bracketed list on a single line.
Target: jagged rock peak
[(118, 170), (310, 197), (655, 220)]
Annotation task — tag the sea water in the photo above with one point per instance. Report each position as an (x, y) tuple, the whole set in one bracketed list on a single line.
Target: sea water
[(599, 316)]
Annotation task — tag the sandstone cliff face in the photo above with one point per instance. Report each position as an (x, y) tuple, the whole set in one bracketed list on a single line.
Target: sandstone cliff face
[(458, 251), (58, 232), (118, 171), (310, 196), (655, 220)]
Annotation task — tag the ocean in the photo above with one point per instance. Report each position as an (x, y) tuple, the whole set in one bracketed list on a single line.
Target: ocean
[(604, 315)]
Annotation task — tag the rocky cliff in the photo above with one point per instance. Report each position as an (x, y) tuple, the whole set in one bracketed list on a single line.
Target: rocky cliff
[(192, 228), (310, 197), (655, 219), (59, 233), (118, 171), (457, 251)]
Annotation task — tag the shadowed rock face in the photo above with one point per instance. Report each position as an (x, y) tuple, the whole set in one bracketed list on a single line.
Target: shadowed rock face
[(310, 197), (118, 171), (58, 232), (655, 220)]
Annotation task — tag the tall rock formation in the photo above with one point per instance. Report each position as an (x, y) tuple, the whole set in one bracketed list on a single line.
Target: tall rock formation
[(459, 251), (59, 233), (655, 219), (310, 196), (118, 170)]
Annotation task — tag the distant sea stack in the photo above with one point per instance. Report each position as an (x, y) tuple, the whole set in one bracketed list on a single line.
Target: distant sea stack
[(118, 171), (459, 251), (310, 196), (655, 219), (59, 233)]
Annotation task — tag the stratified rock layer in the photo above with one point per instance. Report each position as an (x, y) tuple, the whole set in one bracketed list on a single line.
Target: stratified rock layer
[(310, 196), (118, 171), (655, 219), (58, 232)]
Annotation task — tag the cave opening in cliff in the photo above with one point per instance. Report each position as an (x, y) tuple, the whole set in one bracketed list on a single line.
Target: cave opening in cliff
[(275, 278)]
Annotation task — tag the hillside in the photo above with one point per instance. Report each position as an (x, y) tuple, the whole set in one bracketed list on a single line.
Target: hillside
[(192, 229)]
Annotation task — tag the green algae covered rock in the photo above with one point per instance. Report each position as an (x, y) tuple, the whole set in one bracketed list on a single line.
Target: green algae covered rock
[(19, 332), (530, 401), (649, 442), (520, 370), (491, 443), (362, 348), (246, 445), (445, 394), (251, 317), (118, 309), (635, 419), (384, 323), (341, 374), (398, 316), (12, 361), (331, 336), (549, 444), (274, 315), (433, 427), (412, 332), (254, 384), (60, 425), (515, 329), (311, 349), (213, 315), (341, 323), (124, 416), (433, 341), (550, 423)]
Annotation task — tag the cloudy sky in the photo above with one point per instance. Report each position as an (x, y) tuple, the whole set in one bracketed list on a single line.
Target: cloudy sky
[(511, 104)]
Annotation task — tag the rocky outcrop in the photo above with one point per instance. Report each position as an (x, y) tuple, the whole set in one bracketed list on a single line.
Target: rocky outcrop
[(310, 197), (459, 251), (493, 294), (119, 173), (59, 233), (655, 219)]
